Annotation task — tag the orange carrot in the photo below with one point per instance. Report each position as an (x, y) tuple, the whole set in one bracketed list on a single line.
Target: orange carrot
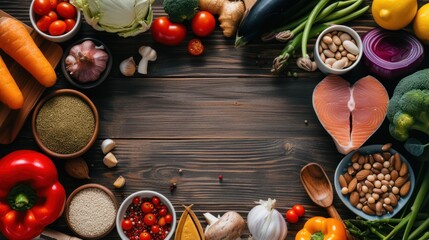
[(17, 43), (9, 90)]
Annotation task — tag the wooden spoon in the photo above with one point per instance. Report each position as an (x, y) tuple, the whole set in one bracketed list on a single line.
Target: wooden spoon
[(319, 188)]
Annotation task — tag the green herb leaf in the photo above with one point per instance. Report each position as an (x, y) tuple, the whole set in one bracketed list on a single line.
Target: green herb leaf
[(415, 147)]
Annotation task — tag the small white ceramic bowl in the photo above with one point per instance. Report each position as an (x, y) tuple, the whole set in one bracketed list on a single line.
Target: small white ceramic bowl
[(327, 69), (60, 38), (346, 162), (144, 194)]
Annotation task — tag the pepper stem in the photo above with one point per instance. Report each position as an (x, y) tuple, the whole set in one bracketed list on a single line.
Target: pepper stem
[(317, 236), (21, 197)]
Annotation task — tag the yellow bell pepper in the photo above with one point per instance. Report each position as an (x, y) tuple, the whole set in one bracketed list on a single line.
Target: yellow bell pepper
[(320, 228)]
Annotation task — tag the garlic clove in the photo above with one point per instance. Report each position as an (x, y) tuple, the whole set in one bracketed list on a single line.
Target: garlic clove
[(119, 182), (128, 67), (107, 145), (110, 160)]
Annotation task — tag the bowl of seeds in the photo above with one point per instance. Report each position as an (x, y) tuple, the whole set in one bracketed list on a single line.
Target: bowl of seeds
[(337, 50), (374, 182), (91, 211), (65, 124)]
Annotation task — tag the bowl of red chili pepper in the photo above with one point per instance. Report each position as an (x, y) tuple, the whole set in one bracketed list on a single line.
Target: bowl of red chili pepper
[(146, 215)]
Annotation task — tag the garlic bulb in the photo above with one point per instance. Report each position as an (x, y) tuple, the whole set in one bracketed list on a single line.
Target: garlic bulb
[(128, 67), (265, 222)]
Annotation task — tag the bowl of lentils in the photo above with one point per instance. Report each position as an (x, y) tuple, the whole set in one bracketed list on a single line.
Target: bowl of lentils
[(65, 124), (375, 181), (146, 215)]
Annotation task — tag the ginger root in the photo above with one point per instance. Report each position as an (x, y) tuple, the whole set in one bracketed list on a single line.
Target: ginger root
[(230, 13)]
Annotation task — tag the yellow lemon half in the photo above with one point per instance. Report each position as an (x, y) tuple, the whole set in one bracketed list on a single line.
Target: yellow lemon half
[(421, 24), (394, 14)]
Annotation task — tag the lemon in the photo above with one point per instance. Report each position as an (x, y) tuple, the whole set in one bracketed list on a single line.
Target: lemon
[(394, 14), (421, 24)]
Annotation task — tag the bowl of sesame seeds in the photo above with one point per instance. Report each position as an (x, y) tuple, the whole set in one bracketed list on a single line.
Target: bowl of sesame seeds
[(91, 211)]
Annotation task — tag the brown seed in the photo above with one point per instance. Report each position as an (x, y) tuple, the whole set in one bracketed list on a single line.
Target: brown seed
[(397, 161), (405, 189), (351, 170), (385, 171), (362, 174), (355, 156), (377, 165), (377, 190), (378, 157), (371, 206), (386, 156), (361, 160), (394, 175), (369, 184), (388, 208), (77, 168), (368, 210), (403, 170), (352, 185), (370, 159), (393, 199), (400, 181), (386, 147), (354, 198), (342, 180), (379, 208)]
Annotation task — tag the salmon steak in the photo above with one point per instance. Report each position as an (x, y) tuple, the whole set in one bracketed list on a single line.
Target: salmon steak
[(350, 113)]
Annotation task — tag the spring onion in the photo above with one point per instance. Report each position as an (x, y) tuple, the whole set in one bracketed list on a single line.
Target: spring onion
[(391, 54)]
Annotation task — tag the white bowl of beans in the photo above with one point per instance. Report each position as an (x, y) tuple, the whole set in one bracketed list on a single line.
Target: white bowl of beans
[(338, 50), (146, 215)]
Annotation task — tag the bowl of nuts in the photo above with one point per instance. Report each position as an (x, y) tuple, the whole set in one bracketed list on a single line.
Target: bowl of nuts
[(374, 182), (338, 49)]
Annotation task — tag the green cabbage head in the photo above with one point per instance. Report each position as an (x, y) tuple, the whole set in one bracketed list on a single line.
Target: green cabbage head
[(124, 17)]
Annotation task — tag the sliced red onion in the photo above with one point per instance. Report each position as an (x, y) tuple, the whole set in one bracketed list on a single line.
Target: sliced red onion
[(391, 54)]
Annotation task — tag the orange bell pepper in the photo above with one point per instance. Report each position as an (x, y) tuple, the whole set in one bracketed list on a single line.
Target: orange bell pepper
[(320, 228)]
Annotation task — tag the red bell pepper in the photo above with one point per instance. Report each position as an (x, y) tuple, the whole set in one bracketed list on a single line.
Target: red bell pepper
[(31, 196)]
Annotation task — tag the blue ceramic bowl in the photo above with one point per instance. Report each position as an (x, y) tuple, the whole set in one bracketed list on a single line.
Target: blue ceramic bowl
[(346, 162)]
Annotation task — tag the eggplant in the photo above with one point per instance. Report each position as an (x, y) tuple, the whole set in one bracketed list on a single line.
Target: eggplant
[(262, 17)]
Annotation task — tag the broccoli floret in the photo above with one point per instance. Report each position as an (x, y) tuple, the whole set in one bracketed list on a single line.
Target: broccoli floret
[(409, 107), (180, 10)]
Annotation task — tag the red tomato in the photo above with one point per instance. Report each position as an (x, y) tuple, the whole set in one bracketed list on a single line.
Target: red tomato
[(66, 10), (53, 15), (291, 216), (166, 32), (136, 201), (145, 236), (147, 207), (149, 219), (41, 7), (162, 212), (127, 224), (53, 4), (156, 201), (299, 210), (43, 23), (168, 218), (203, 23), (195, 47), (161, 221), (57, 28), (70, 24), (154, 228)]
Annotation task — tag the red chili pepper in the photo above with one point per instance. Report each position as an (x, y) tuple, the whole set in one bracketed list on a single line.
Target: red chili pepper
[(31, 196)]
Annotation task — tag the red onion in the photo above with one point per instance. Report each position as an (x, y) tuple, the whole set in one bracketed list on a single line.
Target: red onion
[(391, 54)]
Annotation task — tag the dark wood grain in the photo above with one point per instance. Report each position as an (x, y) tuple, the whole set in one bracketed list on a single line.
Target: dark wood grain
[(223, 113)]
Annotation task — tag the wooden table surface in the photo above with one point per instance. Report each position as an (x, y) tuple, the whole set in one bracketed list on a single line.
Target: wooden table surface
[(222, 113)]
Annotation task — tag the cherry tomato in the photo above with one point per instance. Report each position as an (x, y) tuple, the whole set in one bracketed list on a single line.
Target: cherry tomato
[(299, 210), (42, 7), (66, 10), (127, 224), (161, 221), (203, 23), (156, 201), (53, 4), (168, 33), (195, 47), (291, 216), (144, 236), (57, 28), (147, 207), (43, 23), (136, 200), (53, 15), (162, 212), (154, 228), (168, 218), (70, 24), (149, 219)]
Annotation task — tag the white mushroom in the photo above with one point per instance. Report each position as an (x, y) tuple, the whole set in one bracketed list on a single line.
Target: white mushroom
[(148, 54), (228, 227)]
